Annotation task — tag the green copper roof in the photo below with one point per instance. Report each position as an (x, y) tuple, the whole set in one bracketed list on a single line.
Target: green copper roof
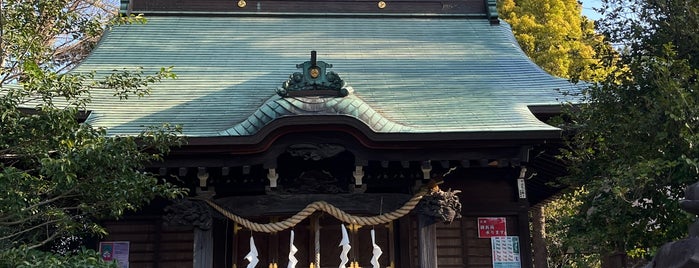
[(408, 75)]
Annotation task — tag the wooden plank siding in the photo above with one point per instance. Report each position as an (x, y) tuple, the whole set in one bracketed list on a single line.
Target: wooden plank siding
[(458, 245), (462, 7), (450, 245), (152, 244), (485, 193)]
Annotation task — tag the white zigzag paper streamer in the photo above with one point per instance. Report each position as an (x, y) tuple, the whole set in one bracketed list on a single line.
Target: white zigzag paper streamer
[(376, 251), (292, 251), (252, 255), (345, 244)]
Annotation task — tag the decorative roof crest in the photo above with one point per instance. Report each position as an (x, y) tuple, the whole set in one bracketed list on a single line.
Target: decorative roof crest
[(492, 11), (124, 7), (314, 81)]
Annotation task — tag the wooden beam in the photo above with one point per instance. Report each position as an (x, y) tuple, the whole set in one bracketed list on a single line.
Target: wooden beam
[(272, 176), (426, 169), (246, 169), (182, 171), (203, 176), (225, 171), (427, 242), (203, 248), (471, 8), (315, 228), (524, 235), (444, 164), (539, 237), (405, 242)]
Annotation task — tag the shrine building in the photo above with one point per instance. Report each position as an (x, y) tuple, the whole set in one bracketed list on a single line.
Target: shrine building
[(415, 127)]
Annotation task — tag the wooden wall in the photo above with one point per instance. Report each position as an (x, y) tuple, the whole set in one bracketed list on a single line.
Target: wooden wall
[(458, 245), (473, 251), (152, 244), (473, 7), (485, 193)]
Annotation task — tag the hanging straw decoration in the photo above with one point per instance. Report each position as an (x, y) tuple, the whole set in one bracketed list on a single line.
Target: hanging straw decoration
[(376, 251), (252, 255), (328, 208), (345, 244), (292, 251)]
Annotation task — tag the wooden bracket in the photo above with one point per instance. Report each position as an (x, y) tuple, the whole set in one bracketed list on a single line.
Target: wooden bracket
[(272, 176)]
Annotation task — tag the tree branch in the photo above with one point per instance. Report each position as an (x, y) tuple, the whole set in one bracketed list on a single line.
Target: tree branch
[(48, 239), (46, 223)]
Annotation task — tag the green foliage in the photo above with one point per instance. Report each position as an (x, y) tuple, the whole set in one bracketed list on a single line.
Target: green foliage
[(563, 252), (23, 258), (634, 148), (555, 35), (59, 177)]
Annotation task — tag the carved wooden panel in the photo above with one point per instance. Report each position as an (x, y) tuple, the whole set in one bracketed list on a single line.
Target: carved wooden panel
[(474, 7)]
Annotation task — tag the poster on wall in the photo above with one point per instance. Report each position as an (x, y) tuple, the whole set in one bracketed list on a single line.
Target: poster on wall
[(115, 251), (492, 226), (506, 252)]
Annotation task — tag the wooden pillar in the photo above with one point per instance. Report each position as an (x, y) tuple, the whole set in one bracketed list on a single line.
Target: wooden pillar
[(203, 248), (405, 243), (315, 228), (427, 239), (539, 237), (273, 246), (525, 240)]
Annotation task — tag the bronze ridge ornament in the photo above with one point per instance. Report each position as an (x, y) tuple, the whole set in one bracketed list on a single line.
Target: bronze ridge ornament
[(314, 81)]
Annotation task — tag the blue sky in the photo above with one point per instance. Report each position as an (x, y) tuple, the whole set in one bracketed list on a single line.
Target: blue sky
[(588, 10)]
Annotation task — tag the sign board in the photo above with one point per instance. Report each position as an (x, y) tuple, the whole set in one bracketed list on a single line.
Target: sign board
[(115, 251), (506, 252), (521, 188), (493, 226)]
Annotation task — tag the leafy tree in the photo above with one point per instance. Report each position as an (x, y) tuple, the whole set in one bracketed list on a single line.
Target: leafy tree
[(634, 146), (555, 35), (59, 177)]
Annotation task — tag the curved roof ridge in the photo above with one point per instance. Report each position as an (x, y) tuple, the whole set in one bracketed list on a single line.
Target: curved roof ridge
[(277, 107)]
